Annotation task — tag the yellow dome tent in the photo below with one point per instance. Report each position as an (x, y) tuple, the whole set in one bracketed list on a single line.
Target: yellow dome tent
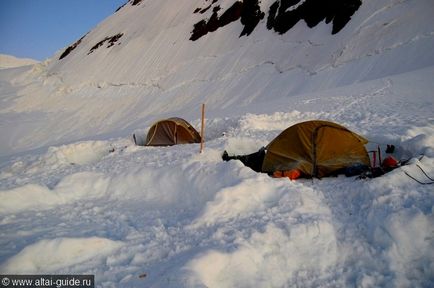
[(316, 148), (171, 131)]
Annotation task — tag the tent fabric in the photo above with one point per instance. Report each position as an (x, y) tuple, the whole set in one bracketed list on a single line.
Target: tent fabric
[(171, 131), (316, 148)]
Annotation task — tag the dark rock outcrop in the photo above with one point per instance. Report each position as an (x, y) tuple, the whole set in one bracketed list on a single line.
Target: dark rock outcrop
[(248, 11), (282, 15), (135, 2), (110, 40), (203, 10), (70, 48), (120, 7), (251, 14)]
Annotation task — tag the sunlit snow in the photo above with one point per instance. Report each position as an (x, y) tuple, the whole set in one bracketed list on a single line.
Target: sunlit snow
[(77, 196)]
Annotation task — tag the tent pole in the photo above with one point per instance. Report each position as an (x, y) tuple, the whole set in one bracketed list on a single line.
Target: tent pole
[(202, 129)]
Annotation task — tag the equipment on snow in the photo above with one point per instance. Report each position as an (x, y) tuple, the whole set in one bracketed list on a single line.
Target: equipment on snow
[(314, 148), (389, 163), (291, 174)]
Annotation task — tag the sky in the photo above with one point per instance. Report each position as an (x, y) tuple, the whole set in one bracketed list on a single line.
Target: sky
[(37, 29)]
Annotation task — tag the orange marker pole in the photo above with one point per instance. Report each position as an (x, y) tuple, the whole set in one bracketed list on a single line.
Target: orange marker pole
[(202, 129)]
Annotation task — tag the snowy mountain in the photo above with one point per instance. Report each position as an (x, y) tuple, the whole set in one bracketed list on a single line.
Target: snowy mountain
[(8, 61), (77, 196), (140, 64)]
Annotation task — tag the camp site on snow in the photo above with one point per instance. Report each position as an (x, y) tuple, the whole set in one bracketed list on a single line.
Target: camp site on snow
[(319, 149), (315, 167), (315, 148)]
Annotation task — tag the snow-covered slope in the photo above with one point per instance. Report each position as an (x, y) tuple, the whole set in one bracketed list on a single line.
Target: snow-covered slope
[(81, 198), (8, 61), (153, 69)]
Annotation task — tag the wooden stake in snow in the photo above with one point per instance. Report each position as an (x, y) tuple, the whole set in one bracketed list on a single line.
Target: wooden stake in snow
[(202, 129)]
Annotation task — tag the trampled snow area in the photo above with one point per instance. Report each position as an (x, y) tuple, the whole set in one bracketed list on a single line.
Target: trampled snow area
[(78, 197), (186, 219)]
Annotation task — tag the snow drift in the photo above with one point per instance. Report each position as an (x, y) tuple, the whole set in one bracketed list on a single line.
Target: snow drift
[(8, 61), (47, 255)]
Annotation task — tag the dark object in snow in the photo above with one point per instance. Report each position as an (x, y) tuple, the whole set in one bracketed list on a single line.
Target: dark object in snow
[(282, 15), (135, 2), (250, 16), (203, 10), (203, 27), (110, 40), (390, 149), (388, 164), (70, 48), (120, 7), (253, 160), (356, 170), (374, 172), (248, 11)]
